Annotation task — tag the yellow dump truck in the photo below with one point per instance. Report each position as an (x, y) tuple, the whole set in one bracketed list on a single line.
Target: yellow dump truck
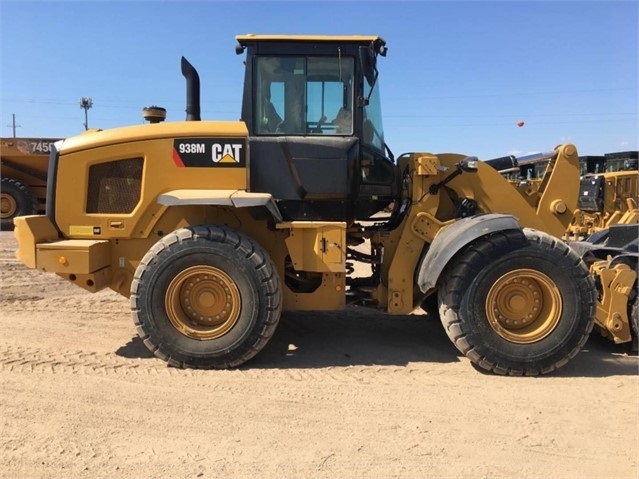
[(23, 169)]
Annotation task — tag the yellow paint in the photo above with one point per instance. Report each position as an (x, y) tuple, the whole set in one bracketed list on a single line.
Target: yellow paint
[(81, 230)]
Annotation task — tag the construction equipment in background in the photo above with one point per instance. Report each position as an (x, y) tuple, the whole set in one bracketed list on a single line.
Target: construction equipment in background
[(214, 228), (592, 164), (525, 173), (621, 161), (607, 197), (23, 169), (612, 255), (608, 192), (531, 167)]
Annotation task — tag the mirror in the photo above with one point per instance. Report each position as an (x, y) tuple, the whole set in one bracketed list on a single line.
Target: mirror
[(368, 62)]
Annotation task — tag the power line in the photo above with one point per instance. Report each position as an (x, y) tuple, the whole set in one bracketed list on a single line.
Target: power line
[(128, 103), (113, 105), (522, 94), (531, 115)]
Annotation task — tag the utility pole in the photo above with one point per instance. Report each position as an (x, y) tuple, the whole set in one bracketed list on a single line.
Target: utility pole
[(85, 104), (13, 124)]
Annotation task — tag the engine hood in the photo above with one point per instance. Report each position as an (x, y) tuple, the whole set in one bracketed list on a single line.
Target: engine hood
[(202, 129)]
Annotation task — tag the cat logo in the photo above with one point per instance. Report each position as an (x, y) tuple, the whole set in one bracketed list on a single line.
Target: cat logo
[(209, 152), (226, 153)]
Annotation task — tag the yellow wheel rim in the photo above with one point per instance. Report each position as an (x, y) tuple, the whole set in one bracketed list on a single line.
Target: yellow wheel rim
[(524, 306), (203, 302), (8, 205)]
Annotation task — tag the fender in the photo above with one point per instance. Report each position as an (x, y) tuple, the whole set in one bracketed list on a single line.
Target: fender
[(455, 237), (236, 198)]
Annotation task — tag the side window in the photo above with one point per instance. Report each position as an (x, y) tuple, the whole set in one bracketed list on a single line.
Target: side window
[(304, 95), (269, 92), (330, 96)]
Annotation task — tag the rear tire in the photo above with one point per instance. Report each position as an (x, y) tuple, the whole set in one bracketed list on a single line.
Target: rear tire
[(16, 199), (518, 305), (206, 297)]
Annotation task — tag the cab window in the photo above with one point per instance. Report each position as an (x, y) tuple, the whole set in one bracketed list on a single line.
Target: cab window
[(373, 131), (304, 95)]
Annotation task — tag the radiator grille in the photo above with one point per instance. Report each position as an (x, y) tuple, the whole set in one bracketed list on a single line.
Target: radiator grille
[(114, 187)]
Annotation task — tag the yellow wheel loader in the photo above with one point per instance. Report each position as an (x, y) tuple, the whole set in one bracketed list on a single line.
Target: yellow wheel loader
[(23, 168), (212, 229)]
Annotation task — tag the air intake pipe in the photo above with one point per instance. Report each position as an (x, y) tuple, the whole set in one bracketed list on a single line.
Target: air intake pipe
[(192, 91)]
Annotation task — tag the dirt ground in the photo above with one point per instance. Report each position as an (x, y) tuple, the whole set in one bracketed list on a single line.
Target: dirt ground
[(350, 394)]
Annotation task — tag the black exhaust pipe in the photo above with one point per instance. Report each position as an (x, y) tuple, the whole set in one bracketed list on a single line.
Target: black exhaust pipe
[(503, 162), (192, 91)]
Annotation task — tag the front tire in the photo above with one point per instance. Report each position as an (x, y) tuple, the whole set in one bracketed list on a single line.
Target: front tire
[(518, 304), (16, 199), (206, 297)]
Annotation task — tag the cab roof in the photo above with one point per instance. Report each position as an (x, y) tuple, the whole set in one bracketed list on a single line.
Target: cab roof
[(360, 39)]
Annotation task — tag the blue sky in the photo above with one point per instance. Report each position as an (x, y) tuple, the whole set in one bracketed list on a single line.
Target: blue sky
[(458, 76)]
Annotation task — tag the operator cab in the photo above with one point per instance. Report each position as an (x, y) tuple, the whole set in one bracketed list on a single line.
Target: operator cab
[(311, 105)]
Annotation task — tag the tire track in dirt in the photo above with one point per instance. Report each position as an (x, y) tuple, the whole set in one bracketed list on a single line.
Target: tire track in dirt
[(47, 449), (71, 305), (21, 360)]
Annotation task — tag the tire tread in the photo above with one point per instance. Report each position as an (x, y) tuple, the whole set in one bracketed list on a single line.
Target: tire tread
[(262, 266), (469, 264)]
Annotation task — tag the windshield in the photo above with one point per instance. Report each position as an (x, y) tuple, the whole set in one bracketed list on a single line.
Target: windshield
[(615, 165), (373, 134)]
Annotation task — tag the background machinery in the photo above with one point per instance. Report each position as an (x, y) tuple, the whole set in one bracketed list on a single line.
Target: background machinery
[(212, 229), (607, 196), (23, 168), (608, 193)]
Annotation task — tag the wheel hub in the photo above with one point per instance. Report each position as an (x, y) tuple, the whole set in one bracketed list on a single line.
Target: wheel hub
[(203, 302), (524, 306), (8, 205)]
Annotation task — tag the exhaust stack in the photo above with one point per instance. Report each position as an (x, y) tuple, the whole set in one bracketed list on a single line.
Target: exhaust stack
[(192, 91)]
